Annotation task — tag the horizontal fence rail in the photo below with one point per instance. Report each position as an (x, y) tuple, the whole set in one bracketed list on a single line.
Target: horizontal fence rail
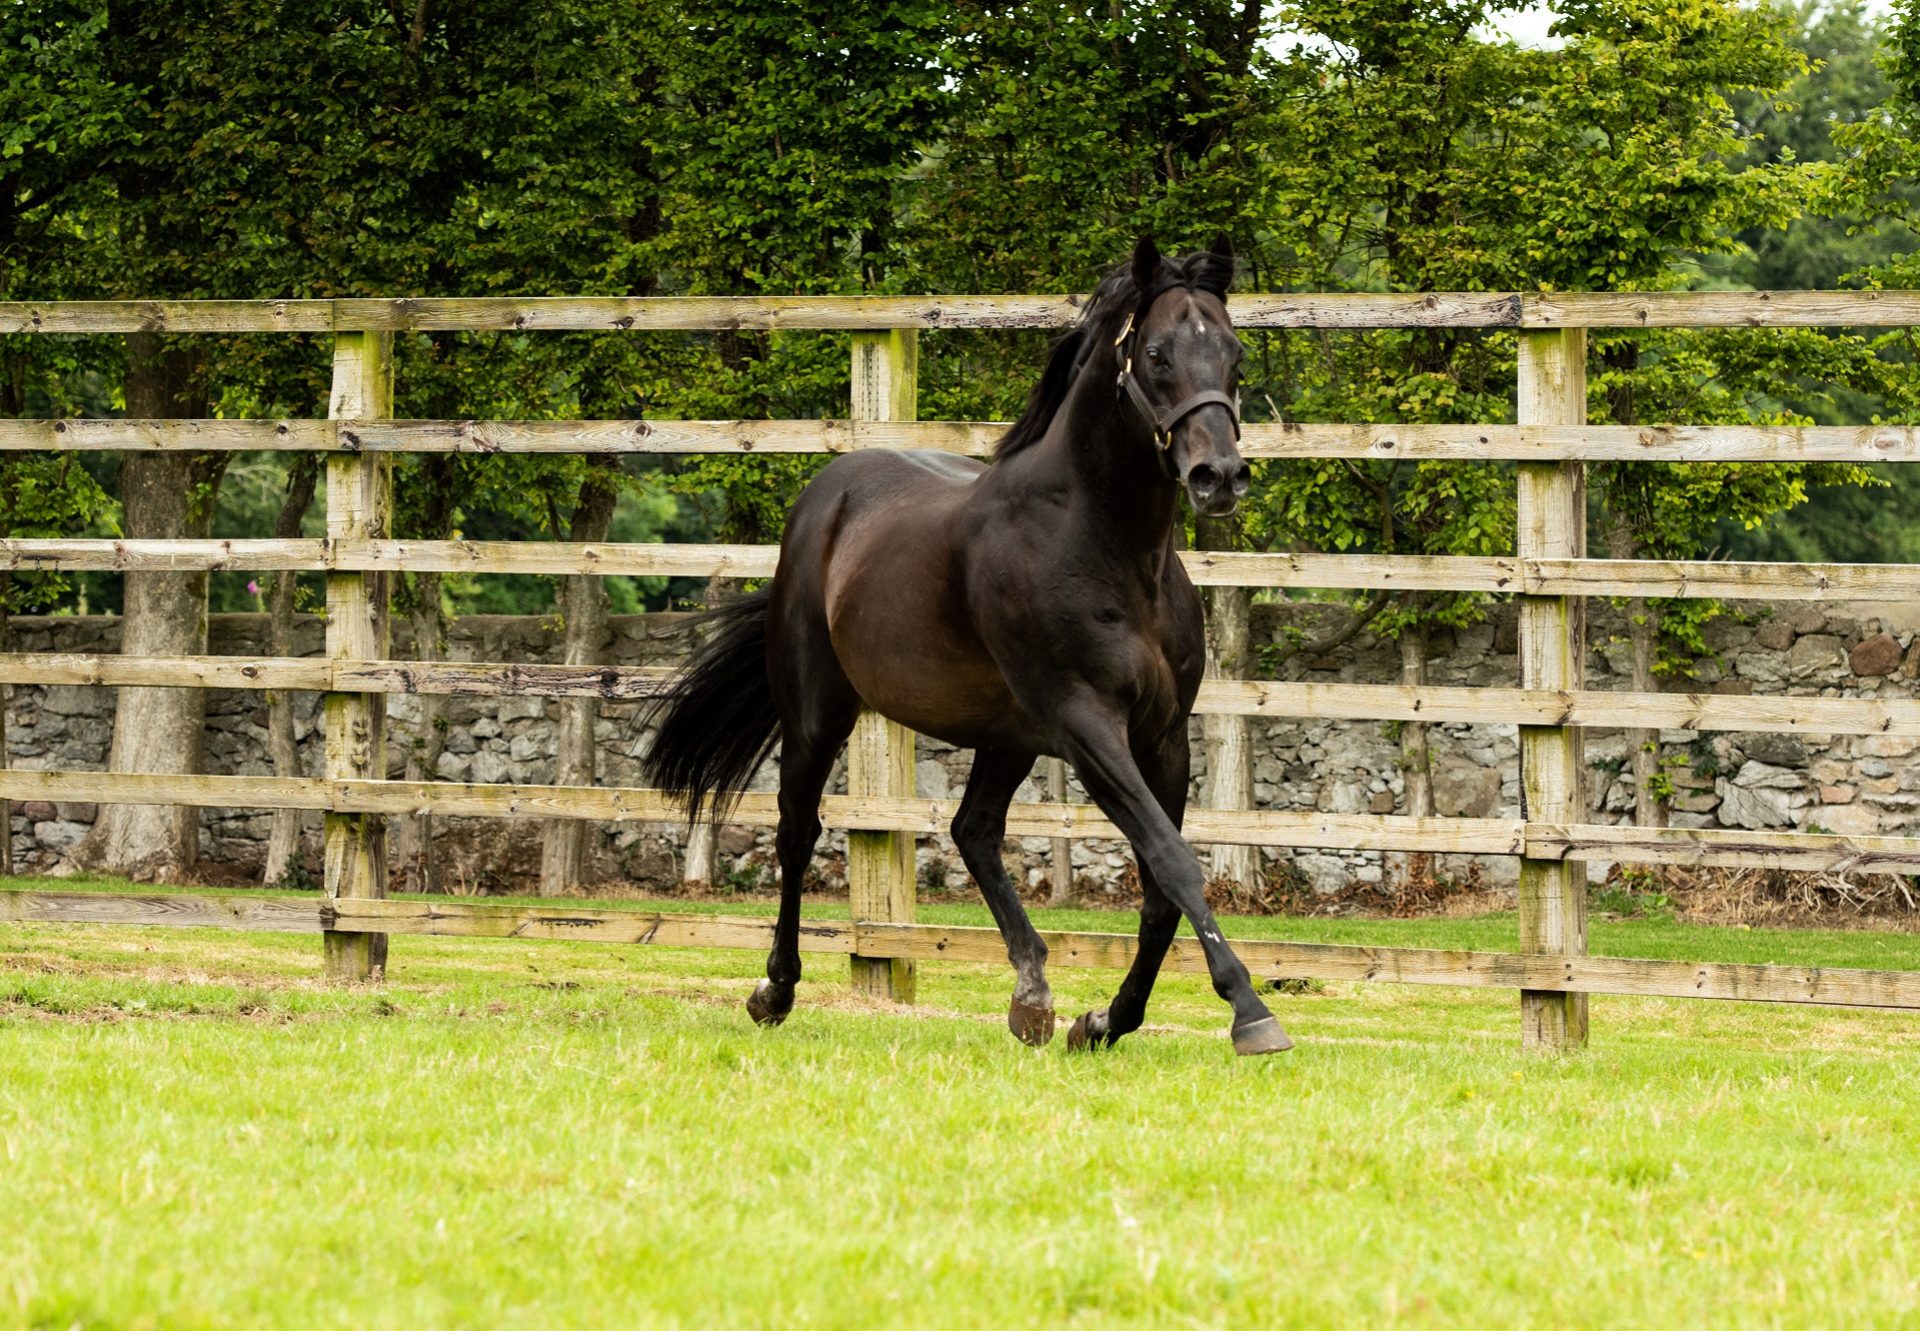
[(1280, 828), (1482, 705), (1457, 443), (1550, 577), (1497, 575), (1271, 960), (1528, 310)]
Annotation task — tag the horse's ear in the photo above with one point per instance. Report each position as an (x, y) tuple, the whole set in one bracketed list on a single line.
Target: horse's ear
[(1146, 263), (1217, 274)]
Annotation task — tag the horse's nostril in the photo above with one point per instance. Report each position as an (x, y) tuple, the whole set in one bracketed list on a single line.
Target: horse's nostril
[(1242, 478), (1203, 479)]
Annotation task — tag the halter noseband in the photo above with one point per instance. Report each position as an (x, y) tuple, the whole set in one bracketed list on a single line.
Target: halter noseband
[(1163, 419)]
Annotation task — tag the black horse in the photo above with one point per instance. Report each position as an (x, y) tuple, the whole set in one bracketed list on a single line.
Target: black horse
[(1033, 607)]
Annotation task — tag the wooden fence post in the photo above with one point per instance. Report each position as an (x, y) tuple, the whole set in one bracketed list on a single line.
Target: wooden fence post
[(880, 865), (359, 507), (1552, 525)]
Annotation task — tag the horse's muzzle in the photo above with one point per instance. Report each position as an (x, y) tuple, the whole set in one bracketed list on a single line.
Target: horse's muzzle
[(1216, 490)]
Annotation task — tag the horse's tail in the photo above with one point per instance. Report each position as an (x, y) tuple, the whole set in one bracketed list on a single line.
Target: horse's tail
[(716, 717)]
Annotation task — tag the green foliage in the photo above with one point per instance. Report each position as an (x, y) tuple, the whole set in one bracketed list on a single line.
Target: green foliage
[(43, 495), (212, 148)]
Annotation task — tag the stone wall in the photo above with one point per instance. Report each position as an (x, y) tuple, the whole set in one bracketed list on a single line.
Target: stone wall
[(1866, 784)]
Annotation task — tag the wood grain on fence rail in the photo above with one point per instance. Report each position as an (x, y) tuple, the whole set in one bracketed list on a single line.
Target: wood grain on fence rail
[(1723, 579), (1460, 443), (1537, 840), (1271, 959), (1536, 310), (1491, 705)]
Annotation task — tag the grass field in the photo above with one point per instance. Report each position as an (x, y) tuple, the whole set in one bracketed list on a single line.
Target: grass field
[(194, 1131)]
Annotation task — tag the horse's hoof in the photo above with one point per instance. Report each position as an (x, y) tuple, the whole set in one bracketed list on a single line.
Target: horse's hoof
[(769, 1006), (1030, 1025), (1261, 1037), (1089, 1032)]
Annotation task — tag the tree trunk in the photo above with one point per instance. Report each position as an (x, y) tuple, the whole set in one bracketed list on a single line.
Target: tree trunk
[(702, 848), (283, 841), (1229, 752), (167, 496), (697, 869), (1416, 762), (1643, 746), (413, 834), (1643, 620), (434, 488), (584, 606)]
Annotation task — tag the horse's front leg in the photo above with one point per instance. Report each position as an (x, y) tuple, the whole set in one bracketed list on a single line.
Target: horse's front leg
[(1166, 768), (979, 831), (1097, 746)]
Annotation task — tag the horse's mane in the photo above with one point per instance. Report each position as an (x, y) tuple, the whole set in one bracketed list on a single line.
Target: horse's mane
[(1117, 296)]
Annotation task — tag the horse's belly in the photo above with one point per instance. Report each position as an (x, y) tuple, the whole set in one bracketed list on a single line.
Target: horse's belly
[(907, 649), (917, 670)]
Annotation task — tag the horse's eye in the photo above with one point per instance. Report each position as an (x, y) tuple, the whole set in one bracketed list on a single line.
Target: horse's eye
[(1153, 354)]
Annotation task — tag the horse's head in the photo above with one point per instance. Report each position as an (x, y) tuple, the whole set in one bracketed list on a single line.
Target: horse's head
[(1180, 366)]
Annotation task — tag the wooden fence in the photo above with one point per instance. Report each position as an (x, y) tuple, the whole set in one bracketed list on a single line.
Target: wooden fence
[(1550, 573)]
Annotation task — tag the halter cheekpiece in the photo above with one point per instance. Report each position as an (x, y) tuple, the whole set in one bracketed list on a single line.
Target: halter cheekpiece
[(1163, 419)]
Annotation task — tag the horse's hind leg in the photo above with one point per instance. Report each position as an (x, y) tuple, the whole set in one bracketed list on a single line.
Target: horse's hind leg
[(979, 829), (818, 708)]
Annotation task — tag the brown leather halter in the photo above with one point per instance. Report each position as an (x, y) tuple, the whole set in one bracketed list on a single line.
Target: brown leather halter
[(1163, 419)]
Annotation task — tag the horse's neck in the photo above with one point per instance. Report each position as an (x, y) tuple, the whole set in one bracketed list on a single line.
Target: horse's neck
[(1105, 452)]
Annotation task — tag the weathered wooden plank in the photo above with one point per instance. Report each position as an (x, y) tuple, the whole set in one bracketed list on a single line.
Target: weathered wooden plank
[(359, 508), (1553, 707), (565, 921), (1591, 443), (480, 679), (973, 438), (1723, 579), (107, 556), (563, 557), (235, 792), (911, 815), (200, 672), (1897, 717), (171, 909), (77, 434), (1725, 847), (1594, 443), (1396, 965), (166, 316), (1273, 959), (1720, 579), (1539, 840), (880, 753), (540, 313), (1552, 523), (1720, 309), (1538, 310)]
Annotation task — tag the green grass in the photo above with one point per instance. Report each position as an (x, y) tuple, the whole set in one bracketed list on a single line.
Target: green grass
[(194, 1131)]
